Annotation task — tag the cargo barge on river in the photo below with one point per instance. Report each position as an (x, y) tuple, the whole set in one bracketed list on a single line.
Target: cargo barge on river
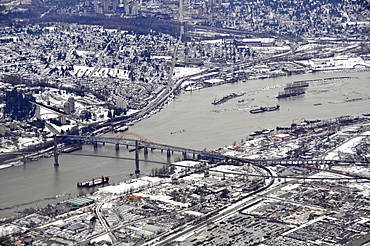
[(94, 182), (264, 109), (291, 92), (227, 98), (293, 89)]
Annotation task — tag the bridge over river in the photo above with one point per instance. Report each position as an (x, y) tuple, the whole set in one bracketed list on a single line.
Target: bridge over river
[(139, 142)]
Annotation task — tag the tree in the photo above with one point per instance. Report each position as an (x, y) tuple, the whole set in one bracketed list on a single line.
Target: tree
[(117, 112), (18, 106)]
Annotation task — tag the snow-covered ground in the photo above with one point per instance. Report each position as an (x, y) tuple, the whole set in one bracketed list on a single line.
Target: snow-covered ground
[(346, 147), (132, 185), (331, 63), (186, 71)]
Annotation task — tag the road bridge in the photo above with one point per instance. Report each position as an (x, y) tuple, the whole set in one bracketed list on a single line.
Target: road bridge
[(145, 144), (140, 142)]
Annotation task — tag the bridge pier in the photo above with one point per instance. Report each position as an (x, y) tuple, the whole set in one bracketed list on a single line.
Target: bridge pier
[(95, 145), (168, 153), (117, 147), (145, 150), (137, 170), (56, 161), (184, 155)]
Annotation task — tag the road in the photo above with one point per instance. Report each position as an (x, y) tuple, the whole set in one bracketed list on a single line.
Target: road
[(103, 222), (250, 200)]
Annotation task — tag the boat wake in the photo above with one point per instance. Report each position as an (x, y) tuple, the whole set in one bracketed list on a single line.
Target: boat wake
[(245, 109), (350, 100)]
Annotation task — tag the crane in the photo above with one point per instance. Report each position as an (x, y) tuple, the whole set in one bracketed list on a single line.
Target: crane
[(300, 122)]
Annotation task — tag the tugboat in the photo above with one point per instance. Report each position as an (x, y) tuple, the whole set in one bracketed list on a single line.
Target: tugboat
[(255, 133), (273, 108), (267, 131), (93, 182), (242, 102), (262, 131)]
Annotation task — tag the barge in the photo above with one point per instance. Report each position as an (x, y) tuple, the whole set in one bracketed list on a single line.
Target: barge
[(93, 182), (264, 109), (227, 98), (293, 89), (291, 92)]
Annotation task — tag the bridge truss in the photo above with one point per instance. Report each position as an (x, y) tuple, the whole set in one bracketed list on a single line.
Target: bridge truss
[(145, 144), (261, 163)]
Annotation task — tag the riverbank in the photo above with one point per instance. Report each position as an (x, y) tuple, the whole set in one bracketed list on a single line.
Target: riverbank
[(106, 127), (242, 182), (208, 132)]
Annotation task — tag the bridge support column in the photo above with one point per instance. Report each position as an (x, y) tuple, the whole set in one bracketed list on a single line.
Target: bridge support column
[(103, 143), (145, 150), (168, 153), (184, 155), (56, 161), (137, 170), (95, 145), (117, 147)]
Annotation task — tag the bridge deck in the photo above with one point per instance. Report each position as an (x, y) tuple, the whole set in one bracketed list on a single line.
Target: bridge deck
[(263, 162)]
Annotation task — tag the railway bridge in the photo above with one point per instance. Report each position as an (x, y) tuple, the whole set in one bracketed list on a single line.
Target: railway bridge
[(139, 142)]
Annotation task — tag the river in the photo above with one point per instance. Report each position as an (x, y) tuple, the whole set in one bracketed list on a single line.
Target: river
[(190, 121)]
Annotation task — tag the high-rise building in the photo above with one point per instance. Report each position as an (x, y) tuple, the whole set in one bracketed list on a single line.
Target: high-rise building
[(69, 106), (211, 2), (135, 9), (115, 4), (121, 103), (2, 130), (106, 4)]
